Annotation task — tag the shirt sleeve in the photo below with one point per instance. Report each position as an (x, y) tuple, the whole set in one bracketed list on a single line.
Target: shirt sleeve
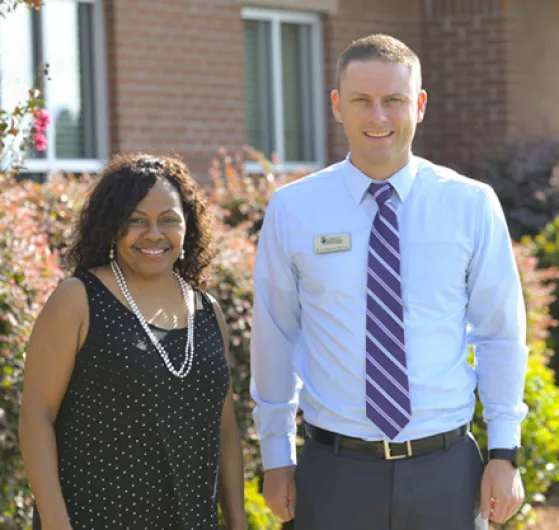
[(275, 329), (497, 318)]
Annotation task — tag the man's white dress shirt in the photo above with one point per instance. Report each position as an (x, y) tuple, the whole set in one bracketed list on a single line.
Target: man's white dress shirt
[(460, 286)]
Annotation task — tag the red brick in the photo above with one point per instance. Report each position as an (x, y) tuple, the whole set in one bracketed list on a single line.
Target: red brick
[(176, 73)]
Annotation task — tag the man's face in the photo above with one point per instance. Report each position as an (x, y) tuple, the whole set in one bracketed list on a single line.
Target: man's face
[(379, 105)]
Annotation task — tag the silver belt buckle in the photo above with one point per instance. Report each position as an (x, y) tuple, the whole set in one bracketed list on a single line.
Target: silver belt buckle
[(389, 456)]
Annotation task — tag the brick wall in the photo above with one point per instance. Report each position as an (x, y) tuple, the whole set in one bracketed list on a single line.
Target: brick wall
[(176, 76), (534, 67), (318, 6), (466, 77), (176, 71)]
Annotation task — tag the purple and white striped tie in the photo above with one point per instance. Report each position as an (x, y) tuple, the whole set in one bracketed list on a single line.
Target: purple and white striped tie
[(388, 397)]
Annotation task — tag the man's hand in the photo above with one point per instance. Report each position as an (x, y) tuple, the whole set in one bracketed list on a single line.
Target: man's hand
[(279, 491), (502, 492)]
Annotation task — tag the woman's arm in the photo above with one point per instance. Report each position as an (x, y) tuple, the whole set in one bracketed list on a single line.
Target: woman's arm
[(57, 335), (231, 464)]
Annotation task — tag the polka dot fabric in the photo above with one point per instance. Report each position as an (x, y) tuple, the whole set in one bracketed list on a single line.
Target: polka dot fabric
[(138, 448)]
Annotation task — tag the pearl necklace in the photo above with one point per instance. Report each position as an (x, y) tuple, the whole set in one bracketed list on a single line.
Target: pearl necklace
[(188, 296)]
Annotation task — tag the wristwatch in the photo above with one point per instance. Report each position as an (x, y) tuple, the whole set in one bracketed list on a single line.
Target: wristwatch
[(515, 456)]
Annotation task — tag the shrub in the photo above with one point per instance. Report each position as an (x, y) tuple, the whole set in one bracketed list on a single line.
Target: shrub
[(259, 516), (28, 272), (232, 287), (540, 430), (48, 209), (239, 201), (33, 225), (547, 251), (242, 198), (524, 174), (51, 206)]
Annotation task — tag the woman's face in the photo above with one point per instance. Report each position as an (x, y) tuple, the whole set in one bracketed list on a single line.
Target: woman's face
[(155, 232)]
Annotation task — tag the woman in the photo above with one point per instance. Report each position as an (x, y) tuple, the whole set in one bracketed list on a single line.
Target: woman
[(127, 407)]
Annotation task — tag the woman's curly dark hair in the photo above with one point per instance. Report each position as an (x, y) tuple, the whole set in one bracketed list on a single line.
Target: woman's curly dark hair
[(125, 181)]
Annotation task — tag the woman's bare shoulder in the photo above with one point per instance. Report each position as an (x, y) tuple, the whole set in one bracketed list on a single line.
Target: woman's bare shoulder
[(69, 298)]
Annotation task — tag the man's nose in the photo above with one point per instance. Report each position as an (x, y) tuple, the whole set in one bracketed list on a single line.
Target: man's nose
[(377, 113)]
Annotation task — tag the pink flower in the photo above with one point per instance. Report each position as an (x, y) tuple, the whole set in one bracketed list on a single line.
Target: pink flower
[(40, 141), (42, 120)]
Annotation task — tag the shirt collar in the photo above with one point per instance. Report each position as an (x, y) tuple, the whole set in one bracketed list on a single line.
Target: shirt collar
[(358, 183)]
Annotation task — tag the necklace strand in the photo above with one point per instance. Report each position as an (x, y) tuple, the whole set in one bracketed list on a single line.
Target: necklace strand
[(184, 370)]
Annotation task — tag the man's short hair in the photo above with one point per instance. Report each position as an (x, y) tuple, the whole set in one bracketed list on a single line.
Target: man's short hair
[(381, 47)]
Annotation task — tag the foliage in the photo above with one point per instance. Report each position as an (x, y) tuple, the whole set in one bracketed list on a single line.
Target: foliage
[(524, 174), (540, 430), (547, 251), (232, 287), (55, 204), (21, 129), (34, 223), (259, 516), (29, 269), (7, 6), (28, 272), (242, 198), (239, 201), (48, 209)]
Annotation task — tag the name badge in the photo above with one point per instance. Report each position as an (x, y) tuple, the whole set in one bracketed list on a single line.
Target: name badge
[(332, 243)]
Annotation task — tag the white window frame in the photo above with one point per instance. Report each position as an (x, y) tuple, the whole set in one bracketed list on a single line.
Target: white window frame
[(276, 18), (50, 163)]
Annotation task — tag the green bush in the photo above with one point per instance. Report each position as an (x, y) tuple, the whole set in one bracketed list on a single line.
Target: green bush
[(259, 516), (547, 251), (540, 430)]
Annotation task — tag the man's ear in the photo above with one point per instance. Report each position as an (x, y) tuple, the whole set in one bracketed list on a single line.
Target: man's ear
[(421, 105), (335, 101)]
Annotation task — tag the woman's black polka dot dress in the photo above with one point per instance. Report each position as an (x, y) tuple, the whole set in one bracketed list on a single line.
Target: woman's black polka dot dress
[(138, 447)]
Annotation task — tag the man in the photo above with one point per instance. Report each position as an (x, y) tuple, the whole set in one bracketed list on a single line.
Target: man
[(372, 277)]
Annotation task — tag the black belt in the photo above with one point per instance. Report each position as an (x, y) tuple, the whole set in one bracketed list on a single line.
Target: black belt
[(387, 450)]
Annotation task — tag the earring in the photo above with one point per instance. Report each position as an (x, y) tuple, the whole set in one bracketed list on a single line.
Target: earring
[(181, 257), (112, 253)]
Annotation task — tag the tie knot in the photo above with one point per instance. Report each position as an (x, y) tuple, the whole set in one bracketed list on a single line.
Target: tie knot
[(381, 192)]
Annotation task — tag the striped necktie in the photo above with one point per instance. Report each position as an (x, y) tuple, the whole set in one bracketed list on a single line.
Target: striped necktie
[(388, 398)]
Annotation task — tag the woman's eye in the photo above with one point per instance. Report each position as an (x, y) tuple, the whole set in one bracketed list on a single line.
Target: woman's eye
[(170, 220), (135, 221)]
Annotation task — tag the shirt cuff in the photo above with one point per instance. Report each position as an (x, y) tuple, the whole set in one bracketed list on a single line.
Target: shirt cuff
[(278, 452), (503, 434)]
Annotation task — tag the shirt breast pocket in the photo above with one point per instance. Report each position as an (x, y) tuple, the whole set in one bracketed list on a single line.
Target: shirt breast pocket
[(331, 273), (433, 274)]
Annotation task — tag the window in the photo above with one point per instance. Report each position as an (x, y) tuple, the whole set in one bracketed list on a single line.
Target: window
[(66, 35), (284, 86)]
